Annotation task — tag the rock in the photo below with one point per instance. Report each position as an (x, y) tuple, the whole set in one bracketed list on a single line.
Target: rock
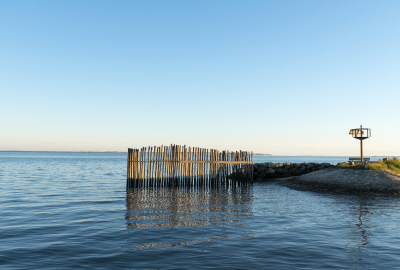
[(275, 170), (281, 171), (270, 171), (297, 172)]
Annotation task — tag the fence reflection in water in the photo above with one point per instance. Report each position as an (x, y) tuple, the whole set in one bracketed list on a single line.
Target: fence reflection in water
[(156, 208)]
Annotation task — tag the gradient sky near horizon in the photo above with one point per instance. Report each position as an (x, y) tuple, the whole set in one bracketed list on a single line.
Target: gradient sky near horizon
[(278, 77)]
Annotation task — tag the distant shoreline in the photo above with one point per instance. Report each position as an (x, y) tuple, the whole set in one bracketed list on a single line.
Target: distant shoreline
[(104, 152), (120, 152)]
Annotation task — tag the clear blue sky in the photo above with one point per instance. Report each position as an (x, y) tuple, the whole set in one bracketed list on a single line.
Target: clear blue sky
[(278, 77)]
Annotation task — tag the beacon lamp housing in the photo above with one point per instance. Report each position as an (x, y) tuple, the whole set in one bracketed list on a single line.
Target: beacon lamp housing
[(360, 134)]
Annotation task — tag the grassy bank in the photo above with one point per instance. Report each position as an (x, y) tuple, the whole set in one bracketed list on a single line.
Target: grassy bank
[(391, 164)]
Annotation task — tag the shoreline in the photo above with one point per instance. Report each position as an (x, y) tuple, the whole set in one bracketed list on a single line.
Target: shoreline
[(338, 180)]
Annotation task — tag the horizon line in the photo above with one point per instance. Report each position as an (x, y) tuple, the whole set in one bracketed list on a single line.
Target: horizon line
[(127, 152)]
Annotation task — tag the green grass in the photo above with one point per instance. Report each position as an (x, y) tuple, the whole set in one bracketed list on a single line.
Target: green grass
[(344, 165), (391, 164)]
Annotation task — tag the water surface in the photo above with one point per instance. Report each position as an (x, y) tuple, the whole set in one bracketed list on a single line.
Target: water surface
[(72, 210)]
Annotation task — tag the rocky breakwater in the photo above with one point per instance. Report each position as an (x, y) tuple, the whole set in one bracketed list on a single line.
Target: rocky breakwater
[(270, 170)]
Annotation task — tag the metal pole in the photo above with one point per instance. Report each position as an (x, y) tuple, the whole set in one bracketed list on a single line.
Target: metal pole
[(361, 146)]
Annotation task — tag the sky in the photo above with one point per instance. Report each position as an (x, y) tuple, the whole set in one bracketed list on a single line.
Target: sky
[(276, 77)]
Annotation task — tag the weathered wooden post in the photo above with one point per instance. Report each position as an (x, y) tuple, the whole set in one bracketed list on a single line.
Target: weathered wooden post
[(358, 133)]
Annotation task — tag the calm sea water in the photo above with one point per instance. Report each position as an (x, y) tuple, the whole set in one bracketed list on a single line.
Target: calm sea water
[(71, 210)]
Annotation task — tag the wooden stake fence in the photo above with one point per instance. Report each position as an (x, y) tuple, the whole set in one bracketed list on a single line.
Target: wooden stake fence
[(177, 165)]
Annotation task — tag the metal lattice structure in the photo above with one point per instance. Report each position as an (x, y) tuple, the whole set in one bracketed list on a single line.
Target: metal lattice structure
[(361, 134)]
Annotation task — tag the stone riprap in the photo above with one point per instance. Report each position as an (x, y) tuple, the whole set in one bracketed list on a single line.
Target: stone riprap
[(351, 180), (270, 170)]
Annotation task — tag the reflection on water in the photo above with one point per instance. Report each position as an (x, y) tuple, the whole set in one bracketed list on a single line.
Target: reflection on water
[(177, 207), (364, 235), (184, 243), (188, 216), (359, 238)]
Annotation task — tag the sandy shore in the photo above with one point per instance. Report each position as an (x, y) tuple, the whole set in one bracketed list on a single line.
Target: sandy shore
[(348, 180)]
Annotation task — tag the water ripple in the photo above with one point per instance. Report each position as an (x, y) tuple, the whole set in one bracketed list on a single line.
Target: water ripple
[(69, 210)]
